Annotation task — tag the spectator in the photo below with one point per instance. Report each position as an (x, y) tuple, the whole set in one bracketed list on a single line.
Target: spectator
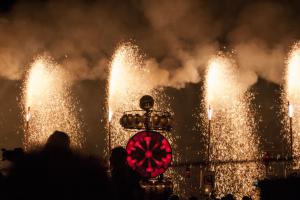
[(125, 180), (55, 172), (174, 197)]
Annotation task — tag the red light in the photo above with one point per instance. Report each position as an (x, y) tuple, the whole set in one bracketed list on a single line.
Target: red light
[(149, 153)]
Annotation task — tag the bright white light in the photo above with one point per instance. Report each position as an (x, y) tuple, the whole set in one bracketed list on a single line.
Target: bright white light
[(233, 134), (210, 113), (28, 115), (49, 104), (110, 115), (291, 110)]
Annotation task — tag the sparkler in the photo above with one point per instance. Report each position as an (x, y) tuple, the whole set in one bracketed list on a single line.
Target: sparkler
[(129, 80), (292, 95), (232, 136), (49, 104), (124, 88)]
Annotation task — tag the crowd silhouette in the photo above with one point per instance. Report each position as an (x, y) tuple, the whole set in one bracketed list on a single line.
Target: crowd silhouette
[(55, 171)]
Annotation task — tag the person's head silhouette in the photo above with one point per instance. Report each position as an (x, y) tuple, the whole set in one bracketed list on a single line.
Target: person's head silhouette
[(118, 157), (58, 141)]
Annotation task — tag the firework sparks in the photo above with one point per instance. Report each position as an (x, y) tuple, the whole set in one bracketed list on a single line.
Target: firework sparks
[(127, 84), (129, 80), (292, 99), (232, 127), (48, 104), (125, 88)]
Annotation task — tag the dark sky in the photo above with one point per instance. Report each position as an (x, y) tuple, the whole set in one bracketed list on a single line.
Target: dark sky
[(173, 34)]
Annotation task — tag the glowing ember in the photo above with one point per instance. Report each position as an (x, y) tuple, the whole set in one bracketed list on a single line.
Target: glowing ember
[(48, 104), (292, 97), (232, 129)]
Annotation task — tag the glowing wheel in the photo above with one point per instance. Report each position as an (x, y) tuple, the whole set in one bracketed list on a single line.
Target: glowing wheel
[(149, 153)]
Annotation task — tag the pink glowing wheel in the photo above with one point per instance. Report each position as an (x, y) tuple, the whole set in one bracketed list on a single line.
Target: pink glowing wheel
[(149, 153)]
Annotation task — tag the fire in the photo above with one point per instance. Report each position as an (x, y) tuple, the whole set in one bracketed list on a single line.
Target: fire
[(220, 80), (292, 75), (48, 104), (127, 84), (292, 97), (232, 131)]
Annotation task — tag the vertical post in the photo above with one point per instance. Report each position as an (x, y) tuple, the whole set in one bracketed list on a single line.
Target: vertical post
[(209, 133), (291, 136), (291, 113), (208, 148), (109, 139), (147, 119), (27, 118), (110, 115)]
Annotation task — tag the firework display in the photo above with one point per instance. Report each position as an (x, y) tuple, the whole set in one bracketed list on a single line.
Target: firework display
[(124, 91), (291, 101), (48, 104), (196, 99), (232, 129)]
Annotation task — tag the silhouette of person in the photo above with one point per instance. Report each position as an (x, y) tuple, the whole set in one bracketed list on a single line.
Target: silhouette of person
[(193, 198), (228, 197), (12, 155), (246, 198), (174, 197), (58, 141), (55, 172), (125, 181)]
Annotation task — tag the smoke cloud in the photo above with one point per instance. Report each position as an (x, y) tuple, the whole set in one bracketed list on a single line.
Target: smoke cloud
[(178, 36)]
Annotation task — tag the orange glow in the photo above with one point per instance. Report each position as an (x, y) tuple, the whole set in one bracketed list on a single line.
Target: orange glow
[(48, 104), (232, 131)]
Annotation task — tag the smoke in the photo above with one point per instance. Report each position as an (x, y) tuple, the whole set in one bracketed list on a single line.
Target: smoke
[(178, 37), (262, 38)]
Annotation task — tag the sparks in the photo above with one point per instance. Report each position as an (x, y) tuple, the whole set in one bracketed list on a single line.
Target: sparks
[(292, 98), (232, 133), (48, 104), (128, 82)]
